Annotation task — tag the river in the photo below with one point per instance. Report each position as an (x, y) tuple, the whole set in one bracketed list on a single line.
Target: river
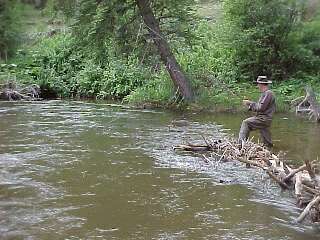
[(81, 170)]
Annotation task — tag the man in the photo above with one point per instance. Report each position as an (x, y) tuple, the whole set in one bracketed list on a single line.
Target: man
[(264, 109)]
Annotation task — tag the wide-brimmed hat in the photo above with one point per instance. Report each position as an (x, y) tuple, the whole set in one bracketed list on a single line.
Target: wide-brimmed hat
[(263, 80)]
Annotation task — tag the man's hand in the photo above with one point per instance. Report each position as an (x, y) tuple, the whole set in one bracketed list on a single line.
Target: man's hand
[(246, 103)]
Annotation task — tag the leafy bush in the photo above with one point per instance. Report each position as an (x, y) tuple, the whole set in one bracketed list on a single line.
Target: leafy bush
[(158, 89), (58, 65), (9, 27), (259, 36), (305, 47), (253, 38)]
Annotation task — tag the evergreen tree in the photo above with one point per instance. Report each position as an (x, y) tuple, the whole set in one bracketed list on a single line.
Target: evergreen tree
[(259, 35), (7, 31), (130, 25)]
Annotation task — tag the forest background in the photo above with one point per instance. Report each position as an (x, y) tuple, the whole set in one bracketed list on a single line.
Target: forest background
[(103, 49)]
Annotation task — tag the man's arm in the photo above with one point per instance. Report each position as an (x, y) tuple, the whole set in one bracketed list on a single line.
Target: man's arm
[(263, 103)]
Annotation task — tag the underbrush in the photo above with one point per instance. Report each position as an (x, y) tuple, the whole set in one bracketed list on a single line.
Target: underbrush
[(65, 69)]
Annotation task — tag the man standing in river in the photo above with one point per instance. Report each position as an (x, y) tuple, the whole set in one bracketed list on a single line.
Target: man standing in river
[(264, 109)]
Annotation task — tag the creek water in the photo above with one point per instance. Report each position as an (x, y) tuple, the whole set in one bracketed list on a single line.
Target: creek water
[(77, 170)]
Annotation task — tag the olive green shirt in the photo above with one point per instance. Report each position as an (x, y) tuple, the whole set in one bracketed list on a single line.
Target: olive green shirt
[(266, 105)]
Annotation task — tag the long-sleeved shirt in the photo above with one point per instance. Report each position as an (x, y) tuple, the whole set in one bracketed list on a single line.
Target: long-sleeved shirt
[(266, 105)]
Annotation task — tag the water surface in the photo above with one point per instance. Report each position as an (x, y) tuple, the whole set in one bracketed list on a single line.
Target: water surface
[(74, 170)]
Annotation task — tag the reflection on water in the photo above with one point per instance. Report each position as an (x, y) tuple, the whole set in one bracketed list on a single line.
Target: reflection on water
[(72, 170)]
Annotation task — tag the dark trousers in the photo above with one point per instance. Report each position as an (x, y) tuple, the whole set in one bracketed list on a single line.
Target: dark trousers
[(256, 123)]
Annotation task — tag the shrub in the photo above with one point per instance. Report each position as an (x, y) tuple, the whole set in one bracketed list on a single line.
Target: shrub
[(10, 12)]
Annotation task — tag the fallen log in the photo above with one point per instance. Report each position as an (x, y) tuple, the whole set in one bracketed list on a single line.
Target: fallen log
[(282, 184), (294, 172), (305, 212), (303, 180), (312, 175), (11, 92), (12, 95), (309, 105), (311, 190), (192, 148)]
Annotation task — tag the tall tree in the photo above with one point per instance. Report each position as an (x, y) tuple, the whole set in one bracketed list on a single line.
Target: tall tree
[(259, 35), (120, 22), (8, 28), (178, 77)]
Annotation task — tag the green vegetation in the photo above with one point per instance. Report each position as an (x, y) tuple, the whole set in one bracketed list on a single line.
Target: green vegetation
[(9, 22), (104, 51)]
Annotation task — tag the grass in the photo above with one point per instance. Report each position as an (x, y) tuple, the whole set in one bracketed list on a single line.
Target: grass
[(221, 99)]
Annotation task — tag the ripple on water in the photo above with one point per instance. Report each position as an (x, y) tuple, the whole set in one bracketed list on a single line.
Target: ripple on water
[(264, 190), (79, 171)]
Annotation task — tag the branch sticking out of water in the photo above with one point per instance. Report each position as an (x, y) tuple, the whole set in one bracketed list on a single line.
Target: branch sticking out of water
[(303, 180)]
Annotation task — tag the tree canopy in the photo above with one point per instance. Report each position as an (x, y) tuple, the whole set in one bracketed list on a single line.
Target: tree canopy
[(132, 49)]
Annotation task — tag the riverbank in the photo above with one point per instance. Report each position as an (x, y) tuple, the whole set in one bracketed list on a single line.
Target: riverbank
[(64, 71), (54, 58), (220, 98), (70, 78)]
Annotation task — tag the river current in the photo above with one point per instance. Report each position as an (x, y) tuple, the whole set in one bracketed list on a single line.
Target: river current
[(81, 170)]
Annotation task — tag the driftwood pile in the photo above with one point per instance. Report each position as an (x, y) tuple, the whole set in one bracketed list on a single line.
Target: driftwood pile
[(304, 180), (308, 106), (11, 92)]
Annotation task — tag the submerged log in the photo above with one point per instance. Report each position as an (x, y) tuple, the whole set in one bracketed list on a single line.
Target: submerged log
[(192, 148), (306, 211), (303, 180)]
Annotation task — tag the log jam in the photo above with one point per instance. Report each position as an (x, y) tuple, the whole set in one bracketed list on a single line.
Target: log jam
[(303, 180)]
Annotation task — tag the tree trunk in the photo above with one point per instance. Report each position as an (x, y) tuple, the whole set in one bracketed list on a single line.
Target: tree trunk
[(309, 105), (179, 79)]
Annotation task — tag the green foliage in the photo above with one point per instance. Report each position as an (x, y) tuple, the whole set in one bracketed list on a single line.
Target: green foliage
[(55, 7), (208, 60), (58, 65), (122, 77), (7, 72), (95, 24), (157, 90), (108, 53), (9, 27), (260, 36), (305, 47)]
